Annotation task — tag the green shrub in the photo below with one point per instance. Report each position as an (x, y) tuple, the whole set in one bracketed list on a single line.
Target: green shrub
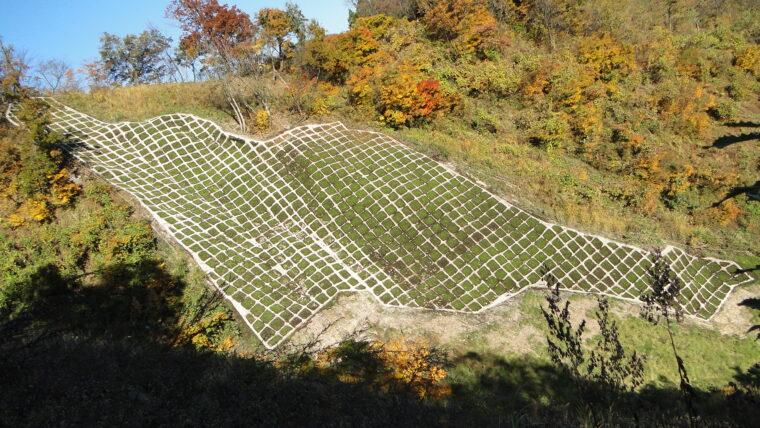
[(552, 133), (725, 110)]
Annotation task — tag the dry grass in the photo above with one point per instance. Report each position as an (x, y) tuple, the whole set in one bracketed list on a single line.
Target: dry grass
[(135, 103), (553, 185)]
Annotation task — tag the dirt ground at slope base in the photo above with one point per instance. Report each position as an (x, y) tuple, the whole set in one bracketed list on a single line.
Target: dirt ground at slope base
[(513, 327)]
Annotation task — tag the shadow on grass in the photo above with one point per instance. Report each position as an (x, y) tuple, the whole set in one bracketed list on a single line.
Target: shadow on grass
[(106, 354), (727, 140), (139, 300), (752, 192), (753, 303), (742, 124), (750, 378), (528, 392), (747, 270)]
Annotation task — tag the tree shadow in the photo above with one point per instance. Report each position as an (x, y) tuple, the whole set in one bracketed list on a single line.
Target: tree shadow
[(749, 378), (105, 353), (83, 382), (728, 140), (141, 301), (530, 392), (752, 192), (747, 270), (516, 387), (754, 304), (742, 124), (108, 353)]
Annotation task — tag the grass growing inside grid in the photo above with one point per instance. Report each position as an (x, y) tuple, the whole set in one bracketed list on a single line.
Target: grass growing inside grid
[(283, 225)]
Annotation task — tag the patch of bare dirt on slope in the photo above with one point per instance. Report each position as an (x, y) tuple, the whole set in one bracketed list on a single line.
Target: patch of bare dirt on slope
[(505, 329), (733, 318), (499, 329)]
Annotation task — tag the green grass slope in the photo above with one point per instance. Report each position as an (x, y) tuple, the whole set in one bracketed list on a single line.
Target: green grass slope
[(283, 225)]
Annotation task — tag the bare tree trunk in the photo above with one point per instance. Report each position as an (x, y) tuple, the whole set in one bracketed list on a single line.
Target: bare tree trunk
[(549, 14), (669, 13), (177, 71), (234, 105), (238, 112)]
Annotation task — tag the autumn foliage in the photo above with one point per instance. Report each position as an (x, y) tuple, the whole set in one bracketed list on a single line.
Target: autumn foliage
[(74, 243), (467, 24), (748, 59), (399, 366), (627, 90), (336, 58), (208, 27), (34, 176), (275, 27), (407, 98), (609, 58)]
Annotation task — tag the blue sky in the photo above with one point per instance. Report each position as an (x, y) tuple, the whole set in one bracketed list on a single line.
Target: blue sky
[(70, 29)]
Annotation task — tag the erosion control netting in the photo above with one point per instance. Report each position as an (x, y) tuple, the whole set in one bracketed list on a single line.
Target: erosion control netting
[(281, 226)]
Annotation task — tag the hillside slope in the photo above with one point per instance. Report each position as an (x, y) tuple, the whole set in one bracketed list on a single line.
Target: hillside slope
[(282, 225)]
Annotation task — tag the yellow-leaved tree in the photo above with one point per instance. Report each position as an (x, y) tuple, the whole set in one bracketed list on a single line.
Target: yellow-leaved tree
[(34, 176), (401, 366)]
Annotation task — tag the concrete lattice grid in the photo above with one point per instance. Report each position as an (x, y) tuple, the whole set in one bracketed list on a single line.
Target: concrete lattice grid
[(283, 225)]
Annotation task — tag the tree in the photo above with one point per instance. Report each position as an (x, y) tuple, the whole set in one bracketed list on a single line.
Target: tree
[(508, 11), (407, 9), (275, 28), (223, 38), (33, 173), (13, 73), (57, 75), (406, 97), (185, 61), (401, 366), (95, 74), (466, 23), (278, 28), (546, 18), (662, 302), (135, 59), (670, 11), (605, 371), (298, 22), (212, 30), (547, 14)]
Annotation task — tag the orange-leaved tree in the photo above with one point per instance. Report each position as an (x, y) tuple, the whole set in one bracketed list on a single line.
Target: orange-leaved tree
[(401, 366), (209, 28), (611, 59), (278, 30), (466, 23), (336, 57), (407, 97), (13, 73), (223, 38)]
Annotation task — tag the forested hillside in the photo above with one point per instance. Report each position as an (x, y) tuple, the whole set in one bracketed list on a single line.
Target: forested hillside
[(638, 120), (634, 119)]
